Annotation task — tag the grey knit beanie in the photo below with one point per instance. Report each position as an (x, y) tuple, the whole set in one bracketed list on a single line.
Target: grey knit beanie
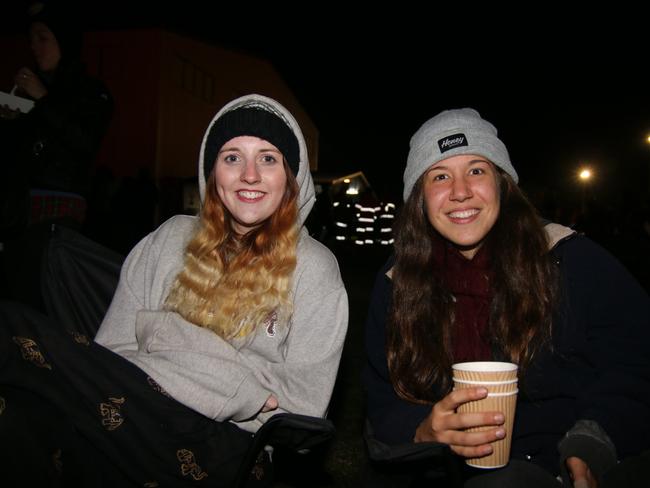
[(450, 133)]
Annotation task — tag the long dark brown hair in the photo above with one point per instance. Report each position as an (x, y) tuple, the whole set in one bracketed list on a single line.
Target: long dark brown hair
[(420, 323)]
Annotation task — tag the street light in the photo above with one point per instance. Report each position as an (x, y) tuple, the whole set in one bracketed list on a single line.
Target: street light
[(647, 140), (585, 174)]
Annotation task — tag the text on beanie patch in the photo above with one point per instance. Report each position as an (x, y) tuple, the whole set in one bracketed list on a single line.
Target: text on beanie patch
[(452, 141)]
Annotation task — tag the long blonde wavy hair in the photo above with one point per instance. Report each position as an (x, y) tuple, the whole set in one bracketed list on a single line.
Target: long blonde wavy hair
[(230, 284)]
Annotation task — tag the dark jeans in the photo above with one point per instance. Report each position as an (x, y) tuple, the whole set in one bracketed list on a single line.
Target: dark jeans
[(517, 474), (631, 472)]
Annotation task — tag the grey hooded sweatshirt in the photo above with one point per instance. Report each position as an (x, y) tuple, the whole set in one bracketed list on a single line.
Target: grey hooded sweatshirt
[(230, 380)]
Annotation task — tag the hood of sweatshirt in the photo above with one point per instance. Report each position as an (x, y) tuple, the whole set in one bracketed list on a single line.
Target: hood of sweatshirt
[(307, 194)]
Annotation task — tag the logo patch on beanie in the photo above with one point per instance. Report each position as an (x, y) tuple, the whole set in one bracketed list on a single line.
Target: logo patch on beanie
[(450, 142)]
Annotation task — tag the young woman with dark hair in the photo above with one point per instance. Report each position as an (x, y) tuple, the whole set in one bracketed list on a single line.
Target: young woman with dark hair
[(477, 275), (523, 287)]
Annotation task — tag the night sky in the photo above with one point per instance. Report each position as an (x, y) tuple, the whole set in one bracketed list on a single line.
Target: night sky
[(559, 94), (561, 91), (555, 107)]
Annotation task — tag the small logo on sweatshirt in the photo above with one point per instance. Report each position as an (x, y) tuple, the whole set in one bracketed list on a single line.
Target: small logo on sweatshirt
[(271, 323), (450, 142)]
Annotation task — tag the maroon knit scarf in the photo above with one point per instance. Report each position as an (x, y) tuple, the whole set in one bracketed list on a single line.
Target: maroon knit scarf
[(469, 282)]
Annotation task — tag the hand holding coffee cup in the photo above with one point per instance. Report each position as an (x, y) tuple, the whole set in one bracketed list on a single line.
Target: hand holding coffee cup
[(500, 381), (447, 425)]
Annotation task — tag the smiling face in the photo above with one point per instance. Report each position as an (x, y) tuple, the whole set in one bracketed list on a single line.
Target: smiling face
[(461, 197), (251, 180)]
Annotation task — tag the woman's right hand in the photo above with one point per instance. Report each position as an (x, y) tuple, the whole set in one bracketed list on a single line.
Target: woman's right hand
[(270, 404), (445, 425), (29, 83)]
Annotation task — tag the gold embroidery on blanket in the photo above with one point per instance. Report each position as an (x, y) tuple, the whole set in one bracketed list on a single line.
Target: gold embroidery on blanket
[(31, 352), (111, 415), (189, 466), (79, 338)]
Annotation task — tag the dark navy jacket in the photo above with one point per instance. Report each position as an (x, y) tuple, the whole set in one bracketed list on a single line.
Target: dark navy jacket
[(598, 369)]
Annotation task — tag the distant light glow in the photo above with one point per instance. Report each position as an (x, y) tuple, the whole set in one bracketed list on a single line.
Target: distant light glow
[(347, 180), (585, 174)]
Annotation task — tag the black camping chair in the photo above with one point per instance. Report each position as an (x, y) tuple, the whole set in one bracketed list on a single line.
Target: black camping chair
[(409, 465), (292, 432), (79, 277), (78, 282)]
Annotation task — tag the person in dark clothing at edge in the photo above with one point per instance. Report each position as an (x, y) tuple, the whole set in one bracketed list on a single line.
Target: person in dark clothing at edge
[(478, 275), (50, 150)]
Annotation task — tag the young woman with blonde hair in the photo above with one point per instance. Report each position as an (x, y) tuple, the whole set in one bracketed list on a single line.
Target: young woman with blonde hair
[(218, 322)]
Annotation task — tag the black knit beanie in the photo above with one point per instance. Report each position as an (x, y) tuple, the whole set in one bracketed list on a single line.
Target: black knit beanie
[(251, 121)]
